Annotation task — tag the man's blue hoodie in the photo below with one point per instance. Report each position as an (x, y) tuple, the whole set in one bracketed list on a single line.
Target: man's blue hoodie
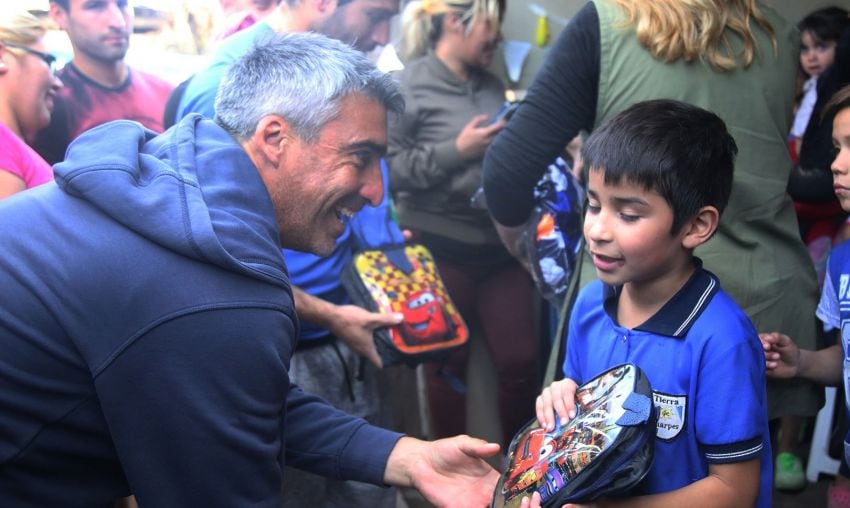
[(146, 326)]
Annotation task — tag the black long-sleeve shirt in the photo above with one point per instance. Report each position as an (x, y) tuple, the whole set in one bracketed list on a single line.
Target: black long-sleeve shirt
[(559, 104)]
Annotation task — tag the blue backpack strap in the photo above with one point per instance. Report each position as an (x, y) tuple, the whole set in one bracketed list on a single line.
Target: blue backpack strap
[(638, 408), (398, 257)]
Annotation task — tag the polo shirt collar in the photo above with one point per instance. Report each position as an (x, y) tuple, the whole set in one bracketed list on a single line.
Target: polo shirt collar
[(677, 316)]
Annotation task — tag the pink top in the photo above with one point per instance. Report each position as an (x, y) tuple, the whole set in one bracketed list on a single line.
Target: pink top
[(18, 158)]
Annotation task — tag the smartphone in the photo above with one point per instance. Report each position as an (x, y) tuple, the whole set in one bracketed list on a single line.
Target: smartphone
[(506, 111)]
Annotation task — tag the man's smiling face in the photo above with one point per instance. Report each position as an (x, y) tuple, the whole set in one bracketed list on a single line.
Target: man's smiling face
[(324, 182)]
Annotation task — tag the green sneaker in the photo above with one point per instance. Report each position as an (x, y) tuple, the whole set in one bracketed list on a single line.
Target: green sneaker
[(788, 472)]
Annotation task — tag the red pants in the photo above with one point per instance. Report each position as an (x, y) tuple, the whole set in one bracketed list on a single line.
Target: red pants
[(496, 302)]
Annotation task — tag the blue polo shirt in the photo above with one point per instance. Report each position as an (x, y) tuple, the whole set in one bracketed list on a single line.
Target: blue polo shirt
[(834, 310), (706, 366)]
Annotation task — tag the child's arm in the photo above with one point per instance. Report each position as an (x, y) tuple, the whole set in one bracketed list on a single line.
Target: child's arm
[(560, 396), (727, 485), (783, 359)]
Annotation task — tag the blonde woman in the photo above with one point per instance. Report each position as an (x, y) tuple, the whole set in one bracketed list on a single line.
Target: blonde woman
[(738, 59), (435, 153), (27, 89)]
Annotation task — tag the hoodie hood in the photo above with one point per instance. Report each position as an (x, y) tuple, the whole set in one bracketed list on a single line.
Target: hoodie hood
[(192, 190)]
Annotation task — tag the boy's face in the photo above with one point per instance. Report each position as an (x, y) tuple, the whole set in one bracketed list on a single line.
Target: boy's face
[(816, 56), (841, 164), (627, 230)]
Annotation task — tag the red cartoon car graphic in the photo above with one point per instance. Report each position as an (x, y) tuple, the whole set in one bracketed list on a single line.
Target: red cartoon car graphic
[(425, 319), (530, 461)]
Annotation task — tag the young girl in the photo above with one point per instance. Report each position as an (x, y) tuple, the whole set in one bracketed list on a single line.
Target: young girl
[(819, 33), (810, 185), (830, 365)]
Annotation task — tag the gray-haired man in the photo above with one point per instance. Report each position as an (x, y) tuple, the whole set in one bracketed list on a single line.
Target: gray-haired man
[(146, 317), (336, 357)]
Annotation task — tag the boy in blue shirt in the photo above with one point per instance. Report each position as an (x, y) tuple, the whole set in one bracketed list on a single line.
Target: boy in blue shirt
[(829, 365), (658, 175)]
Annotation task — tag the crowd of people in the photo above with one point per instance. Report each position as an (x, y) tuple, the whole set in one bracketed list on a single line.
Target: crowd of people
[(173, 318)]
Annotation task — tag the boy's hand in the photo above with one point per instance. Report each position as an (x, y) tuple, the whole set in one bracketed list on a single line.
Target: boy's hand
[(560, 396), (781, 355)]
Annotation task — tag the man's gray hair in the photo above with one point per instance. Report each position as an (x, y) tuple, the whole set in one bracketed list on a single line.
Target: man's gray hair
[(301, 77)]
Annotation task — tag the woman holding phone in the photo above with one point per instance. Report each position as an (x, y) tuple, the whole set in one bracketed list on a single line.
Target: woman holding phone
[(435, 154)]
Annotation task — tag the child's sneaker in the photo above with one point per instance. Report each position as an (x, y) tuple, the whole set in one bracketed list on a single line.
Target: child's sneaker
[(788, 472)]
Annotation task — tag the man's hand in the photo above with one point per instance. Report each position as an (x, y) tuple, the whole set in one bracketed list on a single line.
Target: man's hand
[(356, 327), (560, 396), (474, 139), (351, 324), (781, 355), (447, 472)]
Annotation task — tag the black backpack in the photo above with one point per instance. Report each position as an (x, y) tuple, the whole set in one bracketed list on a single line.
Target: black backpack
[(605, 451)]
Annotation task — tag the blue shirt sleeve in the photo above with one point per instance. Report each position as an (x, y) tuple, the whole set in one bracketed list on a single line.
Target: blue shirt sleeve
[(560, 103), (200, 408), (828, 308), (199, 96), (331, 443)]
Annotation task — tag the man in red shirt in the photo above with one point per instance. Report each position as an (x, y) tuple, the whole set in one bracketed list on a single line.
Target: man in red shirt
[(99, 85)]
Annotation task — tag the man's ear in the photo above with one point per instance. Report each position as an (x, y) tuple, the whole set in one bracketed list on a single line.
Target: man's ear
[(271, 138), (58, 15), (701, 227)]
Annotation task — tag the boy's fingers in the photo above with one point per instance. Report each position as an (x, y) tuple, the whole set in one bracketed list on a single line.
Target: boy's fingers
[(538, 409), (561, 409), (545, 410)]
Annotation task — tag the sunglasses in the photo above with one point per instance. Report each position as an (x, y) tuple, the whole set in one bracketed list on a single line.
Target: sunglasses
[(49, 59)]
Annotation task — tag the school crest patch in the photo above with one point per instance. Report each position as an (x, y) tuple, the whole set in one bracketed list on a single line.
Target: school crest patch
[(671, 411)]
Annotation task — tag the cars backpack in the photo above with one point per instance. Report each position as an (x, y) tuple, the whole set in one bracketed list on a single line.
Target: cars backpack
[(404, 279), (605, 450)]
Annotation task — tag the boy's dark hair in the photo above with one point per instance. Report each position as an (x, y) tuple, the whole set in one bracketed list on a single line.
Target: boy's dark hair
[(839, 100), (682, 152), (825, 24), (65, 4)]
